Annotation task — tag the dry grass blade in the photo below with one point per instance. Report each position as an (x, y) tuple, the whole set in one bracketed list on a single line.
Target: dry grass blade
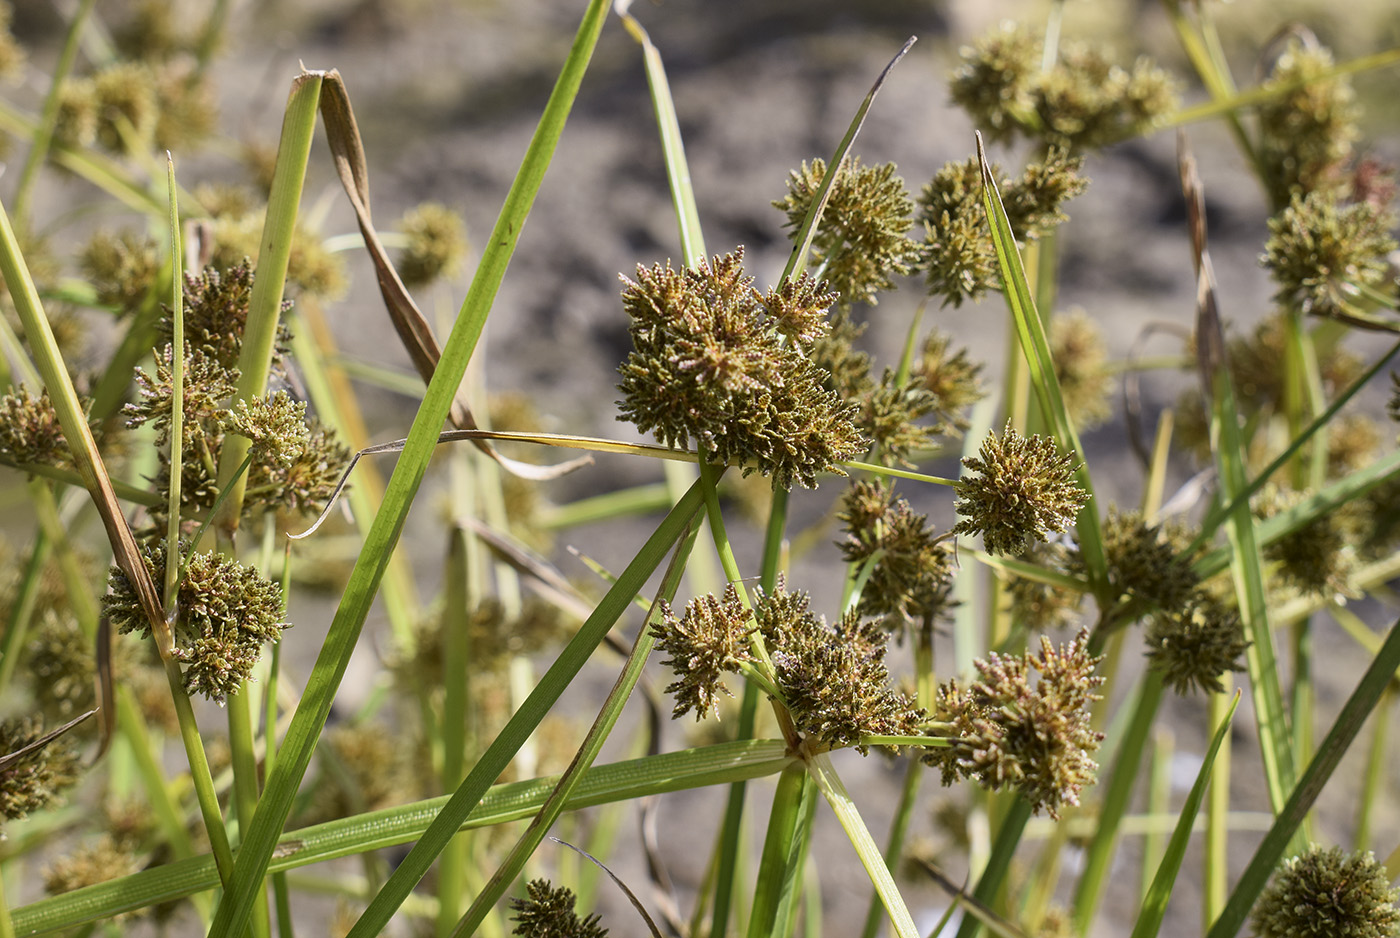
[(1210, 335), (106, 688), (344, 136), (978, 910), (10, 758), (631, 896)]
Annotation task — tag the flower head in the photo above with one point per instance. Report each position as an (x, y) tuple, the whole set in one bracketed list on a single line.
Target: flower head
[(912, 576), (34, 781), (1036, 738), (710, 638), (1328, 892), (1196, 644), (712, 363), (547, 912), (1323, 252), (1024, 491), (833, 680), (227, 612), (1305, 133), (860, 242), (437, 244)]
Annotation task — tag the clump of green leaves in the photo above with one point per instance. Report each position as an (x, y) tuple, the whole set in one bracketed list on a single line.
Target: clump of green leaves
[(226, 613), (861, 239), (547, 912), (1084, 101), (1329, 892), (958, 258), (1034, 735), (1023, 492), (717, 362), (910, 576), (37, 779)]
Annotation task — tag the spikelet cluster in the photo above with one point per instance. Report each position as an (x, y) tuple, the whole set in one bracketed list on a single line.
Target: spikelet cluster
[(716, 362), (1013, 730), (1023, 492)]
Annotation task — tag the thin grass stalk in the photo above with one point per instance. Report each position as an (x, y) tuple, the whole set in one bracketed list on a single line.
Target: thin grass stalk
[(1253, 97), (851, 822), (7, 927), (177, 402), (269, 283), (388, 523), (1154, 906), (1159, 793), (592, 744), (894, 844), (1099, 857), (1373, 783), (1369, 691), (76, 584), (773, 868), (456, 619), (42, 138), (1215, 871), (21, 611)]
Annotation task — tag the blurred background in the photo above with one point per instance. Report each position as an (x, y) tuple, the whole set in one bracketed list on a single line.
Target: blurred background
[(447, 93)]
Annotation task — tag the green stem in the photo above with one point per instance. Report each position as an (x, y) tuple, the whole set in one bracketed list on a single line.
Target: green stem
[(1115, 804), (994, 874), (245, 781), (21, 612), (43, 133), (204, 789), (836, 795), (773, 869), (1215, 865), (1373, 784), (894, 845), (732, 830)]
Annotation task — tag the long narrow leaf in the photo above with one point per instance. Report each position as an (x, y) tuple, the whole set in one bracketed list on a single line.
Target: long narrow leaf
[(605, 784), (1036, 347), (1154, 906), (1369, 691), (587, 752), (295, 754)]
